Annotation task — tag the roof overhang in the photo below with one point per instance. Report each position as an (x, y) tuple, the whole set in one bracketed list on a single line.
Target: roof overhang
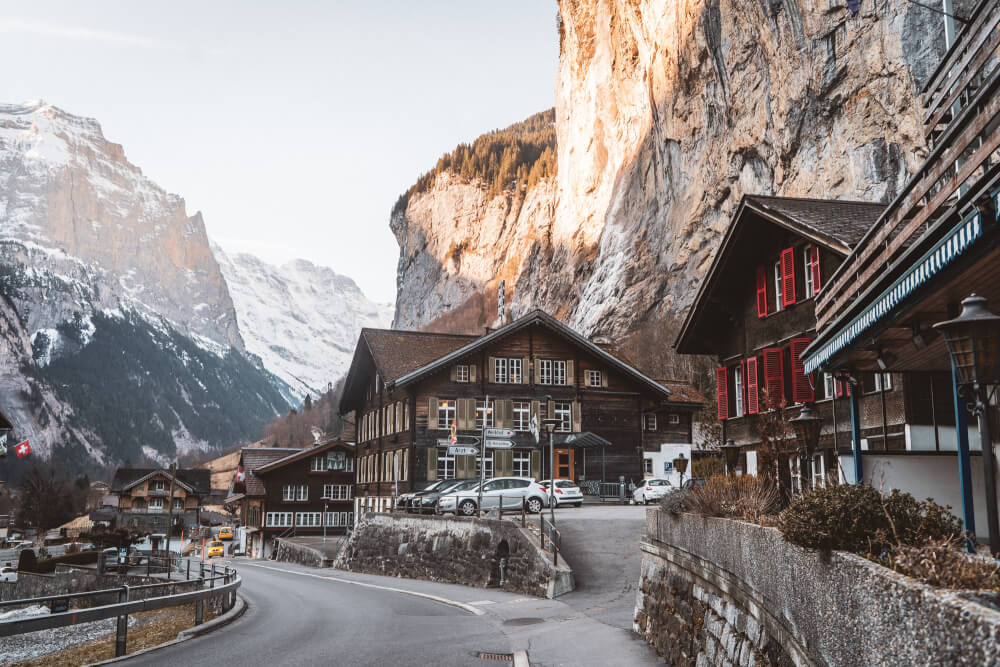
[(303, 454), (165, 473)]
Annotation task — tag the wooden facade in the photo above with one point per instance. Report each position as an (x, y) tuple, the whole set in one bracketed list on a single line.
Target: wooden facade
[(144, 497), (407, 389)]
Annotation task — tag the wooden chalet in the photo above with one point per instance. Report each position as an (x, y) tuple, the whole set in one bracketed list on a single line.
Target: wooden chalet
[(756, 313), (406, 389), (144, 497)]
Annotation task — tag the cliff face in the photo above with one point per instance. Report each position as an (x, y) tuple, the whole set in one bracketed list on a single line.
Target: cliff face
[(666, 114)]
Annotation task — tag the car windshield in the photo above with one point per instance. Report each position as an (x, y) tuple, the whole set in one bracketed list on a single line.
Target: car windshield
[(437, 486), (215, 544), (564, 484), (657, 482)]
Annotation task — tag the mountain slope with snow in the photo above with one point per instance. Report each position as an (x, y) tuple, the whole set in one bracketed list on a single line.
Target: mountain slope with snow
[(301, 319)]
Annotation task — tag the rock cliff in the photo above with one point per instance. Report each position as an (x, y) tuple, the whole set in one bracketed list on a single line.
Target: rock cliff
[(666, 114)]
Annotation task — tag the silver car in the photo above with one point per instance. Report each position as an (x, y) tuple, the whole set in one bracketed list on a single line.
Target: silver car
[(566, 492), (651, 490), (510, 491)]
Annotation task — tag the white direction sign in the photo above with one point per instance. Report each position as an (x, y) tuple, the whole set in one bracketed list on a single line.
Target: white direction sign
[(462, 451), (499, 444), (461, 440), (499, 433)]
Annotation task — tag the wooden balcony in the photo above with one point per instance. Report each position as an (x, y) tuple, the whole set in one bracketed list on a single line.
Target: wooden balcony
[(962, 126)]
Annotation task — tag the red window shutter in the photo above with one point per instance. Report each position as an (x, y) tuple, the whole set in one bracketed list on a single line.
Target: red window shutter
[(817, 286), (753, 392), (761, 291), (787, 276), (774, 377), (802, 391), (722, 391), (843, 387)]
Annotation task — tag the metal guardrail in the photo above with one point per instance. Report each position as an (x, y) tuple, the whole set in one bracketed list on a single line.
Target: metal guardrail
[(123, 608), (549, 532)]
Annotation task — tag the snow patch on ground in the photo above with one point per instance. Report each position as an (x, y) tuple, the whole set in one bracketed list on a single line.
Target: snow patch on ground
[(32, 645)]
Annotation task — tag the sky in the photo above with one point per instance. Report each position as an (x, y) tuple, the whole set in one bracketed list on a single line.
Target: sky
[(292, 126)]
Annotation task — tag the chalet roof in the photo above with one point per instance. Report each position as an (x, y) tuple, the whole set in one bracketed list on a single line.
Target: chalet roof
[(834, 224), (535, 317), (684, 392), (254, 458), (301, 454), (193, 480)]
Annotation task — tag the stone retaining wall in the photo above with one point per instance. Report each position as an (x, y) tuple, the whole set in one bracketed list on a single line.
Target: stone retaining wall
[(32, 585), (292, 552), (723, 592), (460, 550)]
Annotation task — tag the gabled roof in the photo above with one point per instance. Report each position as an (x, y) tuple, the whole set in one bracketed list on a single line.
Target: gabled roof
[(253, 458), (192, 480), (834, 224), (684, 392), (303, 454), (540, 318)]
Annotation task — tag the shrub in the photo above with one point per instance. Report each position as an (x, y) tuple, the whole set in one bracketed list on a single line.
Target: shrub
[(939, 563), (708, 467), (745, 497), (859, 519), (677, 501)]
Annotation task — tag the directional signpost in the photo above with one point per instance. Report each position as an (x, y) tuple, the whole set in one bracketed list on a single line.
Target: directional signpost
[(499, 444), (456, 450), (499, 433)]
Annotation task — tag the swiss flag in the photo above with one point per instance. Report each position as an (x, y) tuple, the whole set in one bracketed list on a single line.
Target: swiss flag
[(22, 449)]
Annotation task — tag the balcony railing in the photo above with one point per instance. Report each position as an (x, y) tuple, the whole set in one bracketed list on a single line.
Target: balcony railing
[(962, 106)]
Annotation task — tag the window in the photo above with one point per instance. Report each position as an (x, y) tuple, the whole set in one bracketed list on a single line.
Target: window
[(308, 519), (336, 461), (446, 464), (403, 468), (178, 503), (514, 365), (488, 460), (294, 492), (507, 371), (279, 519), (564, 413), (883, 382), (484, 411), (647, 466), (446, 414), (827, 385), (406, 416), (761, 291), (673, 418), (500, 370), (738, 388), (777, 287), (521, 415), (155, 504), (339, 519), (594, 379), (336, 492), (810, 260), (462, 373), (551, 371), (522, 463), (649, 422)]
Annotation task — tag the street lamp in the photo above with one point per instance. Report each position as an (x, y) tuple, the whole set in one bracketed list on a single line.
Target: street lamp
[(681, 466), (973, 340), (550, 425), (807, 426), (732, 453)]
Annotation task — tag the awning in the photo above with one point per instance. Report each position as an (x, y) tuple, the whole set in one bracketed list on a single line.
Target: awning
[(586, 440)]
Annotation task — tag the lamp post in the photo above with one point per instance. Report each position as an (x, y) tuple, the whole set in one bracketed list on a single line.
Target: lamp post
[(325, 505), (807, 426), (681, 466), (550, 425), (973, 340), (732, 453)]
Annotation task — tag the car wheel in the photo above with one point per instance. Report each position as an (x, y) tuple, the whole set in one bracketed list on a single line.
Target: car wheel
[(580, 504), (534, 505), (468, 507)]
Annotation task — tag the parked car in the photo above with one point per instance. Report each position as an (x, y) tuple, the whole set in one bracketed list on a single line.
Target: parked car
[(8, 574), (693, 482), (409, 501), (225, 533), (566, 492), (110, 556), (651, 490), (215, 548), (427, 503), (511, 491)]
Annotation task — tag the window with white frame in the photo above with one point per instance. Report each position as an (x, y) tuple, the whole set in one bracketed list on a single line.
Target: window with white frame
[(446, 413), (336, 461), (308, 519), (462, 373), (336, 492), (522, 463), (294, 492), (807, 261), (551, 371), (279, 519), (649, 422), (446, 464), (647, 466), (828, 385), (521, 415), (488, 460), (564, 413), (157, 485), (883, 381), (339, 519), (818, 473), (484, 411), (777, 286), (155, 504), (594, 378), (500, 370), (514, 371), (738, 386), (178, 503), (673, 418)]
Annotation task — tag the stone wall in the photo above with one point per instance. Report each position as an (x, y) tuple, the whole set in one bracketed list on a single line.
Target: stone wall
[(723, 592), (67, 581), (290, 552), (461, 550)]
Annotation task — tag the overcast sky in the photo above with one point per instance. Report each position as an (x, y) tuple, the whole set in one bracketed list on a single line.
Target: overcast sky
[(292, 129)]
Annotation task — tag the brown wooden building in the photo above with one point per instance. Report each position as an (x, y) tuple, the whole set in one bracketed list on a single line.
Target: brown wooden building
[(293, 492), (406, 389), (755, 312), (144, 497)]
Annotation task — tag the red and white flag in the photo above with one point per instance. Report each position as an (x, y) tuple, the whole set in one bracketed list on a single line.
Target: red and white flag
[(240, 475), (22, 449)]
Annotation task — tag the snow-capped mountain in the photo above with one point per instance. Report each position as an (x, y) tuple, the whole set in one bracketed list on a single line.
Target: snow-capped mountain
[(301, 319), (132, 331)]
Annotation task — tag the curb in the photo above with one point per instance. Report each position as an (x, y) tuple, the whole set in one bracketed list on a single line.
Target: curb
[(238, 610)]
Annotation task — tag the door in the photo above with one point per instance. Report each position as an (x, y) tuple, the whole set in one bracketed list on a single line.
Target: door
[(564, 464)]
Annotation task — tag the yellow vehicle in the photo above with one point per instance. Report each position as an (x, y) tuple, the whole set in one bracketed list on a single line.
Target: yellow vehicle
[(215, 548), (225, 533)]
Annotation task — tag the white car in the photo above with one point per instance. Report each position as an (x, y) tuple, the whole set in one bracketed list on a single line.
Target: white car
[(511, 491), (566, 492), (8, 574), (651, 490)]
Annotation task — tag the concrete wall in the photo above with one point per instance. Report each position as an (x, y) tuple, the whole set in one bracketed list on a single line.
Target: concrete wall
[(290, 552), (723, 592), (461, 550)]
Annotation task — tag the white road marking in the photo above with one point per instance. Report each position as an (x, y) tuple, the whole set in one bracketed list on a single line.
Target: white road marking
[(454, 603), (481, 602)]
